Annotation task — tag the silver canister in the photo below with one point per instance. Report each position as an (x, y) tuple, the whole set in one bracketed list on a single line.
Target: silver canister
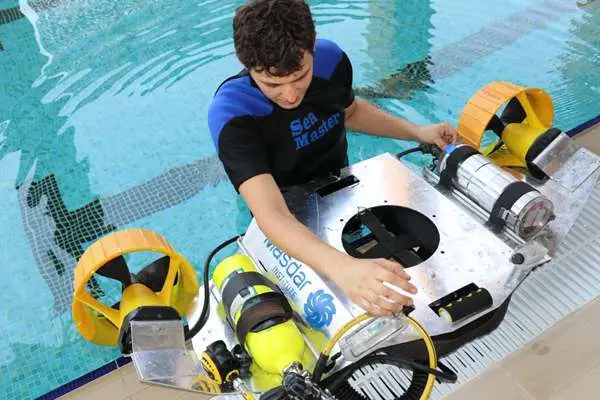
[(483, 181)]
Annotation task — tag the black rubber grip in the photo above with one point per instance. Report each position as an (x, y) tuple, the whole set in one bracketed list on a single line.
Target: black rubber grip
[(241, 281), (266, 306), (471, 304), (505, 201), (454, 159)]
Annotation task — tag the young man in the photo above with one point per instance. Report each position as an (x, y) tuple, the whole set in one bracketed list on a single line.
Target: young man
[(282, 122)]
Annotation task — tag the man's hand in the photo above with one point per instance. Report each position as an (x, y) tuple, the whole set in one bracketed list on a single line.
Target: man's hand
[(441, 134), (362, 281)]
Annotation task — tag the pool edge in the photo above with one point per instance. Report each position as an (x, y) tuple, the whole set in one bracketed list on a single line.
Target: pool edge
[(584, 126), (85, 379)]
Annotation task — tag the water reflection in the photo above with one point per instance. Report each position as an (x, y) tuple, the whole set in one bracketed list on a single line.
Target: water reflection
[(580, 66)]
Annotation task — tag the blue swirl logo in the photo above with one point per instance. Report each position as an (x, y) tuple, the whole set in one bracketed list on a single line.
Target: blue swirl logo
[(319, 309)]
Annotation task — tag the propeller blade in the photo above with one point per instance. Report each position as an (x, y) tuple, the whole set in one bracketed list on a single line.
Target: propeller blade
[(154, 275), (513, 112), (496, 125), (116, 269)]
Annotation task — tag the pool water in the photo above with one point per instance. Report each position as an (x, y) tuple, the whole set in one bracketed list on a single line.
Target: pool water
[(103, 126)]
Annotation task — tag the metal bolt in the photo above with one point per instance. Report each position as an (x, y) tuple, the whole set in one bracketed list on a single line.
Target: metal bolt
[(517, 258)]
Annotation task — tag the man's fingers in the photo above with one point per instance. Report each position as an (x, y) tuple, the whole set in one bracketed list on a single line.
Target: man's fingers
[(396, 297), (450, 134), (386, 276), (380, 301), (371, 308), (393, 267)]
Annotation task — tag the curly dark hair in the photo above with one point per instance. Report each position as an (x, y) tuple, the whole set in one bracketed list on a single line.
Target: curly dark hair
[(273, 35)]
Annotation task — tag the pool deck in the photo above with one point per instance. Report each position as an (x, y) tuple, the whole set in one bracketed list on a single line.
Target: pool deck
[(563, 363)]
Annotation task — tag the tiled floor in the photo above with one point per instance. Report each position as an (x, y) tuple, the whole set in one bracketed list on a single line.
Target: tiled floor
[(590, 138), (561, 364)]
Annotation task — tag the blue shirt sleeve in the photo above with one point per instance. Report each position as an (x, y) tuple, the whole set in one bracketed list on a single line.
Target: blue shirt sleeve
[(234, 129)]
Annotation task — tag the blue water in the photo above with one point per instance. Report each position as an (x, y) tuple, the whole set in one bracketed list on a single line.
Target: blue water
[(103, 126)]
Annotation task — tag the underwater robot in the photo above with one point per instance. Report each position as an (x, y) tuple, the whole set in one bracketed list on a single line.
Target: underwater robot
[(469, 229)]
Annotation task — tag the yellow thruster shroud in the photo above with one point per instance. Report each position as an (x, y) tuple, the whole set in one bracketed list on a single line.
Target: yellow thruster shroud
[(523, 129), (99, 323)]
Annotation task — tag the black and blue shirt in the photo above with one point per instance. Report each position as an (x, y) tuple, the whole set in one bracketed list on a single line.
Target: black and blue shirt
[(253, 135)]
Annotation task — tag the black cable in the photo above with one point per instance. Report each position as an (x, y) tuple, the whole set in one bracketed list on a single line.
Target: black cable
[(413, 392), (408, 151), (277, 393), (426, 148), (332, 361), (338, 382), (205, 309)]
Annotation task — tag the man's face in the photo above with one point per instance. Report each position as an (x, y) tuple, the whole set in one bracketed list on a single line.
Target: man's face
[(286, 91)]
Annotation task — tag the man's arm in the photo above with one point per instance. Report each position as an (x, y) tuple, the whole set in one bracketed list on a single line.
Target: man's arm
[(361, 116), (361, 280)]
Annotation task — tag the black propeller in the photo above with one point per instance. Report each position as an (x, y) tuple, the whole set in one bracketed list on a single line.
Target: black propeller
[(152, 275), (513, 113), (116, 269)]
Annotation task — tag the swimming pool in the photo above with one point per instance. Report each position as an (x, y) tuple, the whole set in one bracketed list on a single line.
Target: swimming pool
[(103, 126)]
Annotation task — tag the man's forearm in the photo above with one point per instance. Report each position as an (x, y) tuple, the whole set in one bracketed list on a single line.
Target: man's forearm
[(291, 236), (366, 118)]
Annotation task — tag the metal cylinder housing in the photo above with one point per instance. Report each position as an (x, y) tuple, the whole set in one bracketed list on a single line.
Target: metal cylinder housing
[(484, 182)]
